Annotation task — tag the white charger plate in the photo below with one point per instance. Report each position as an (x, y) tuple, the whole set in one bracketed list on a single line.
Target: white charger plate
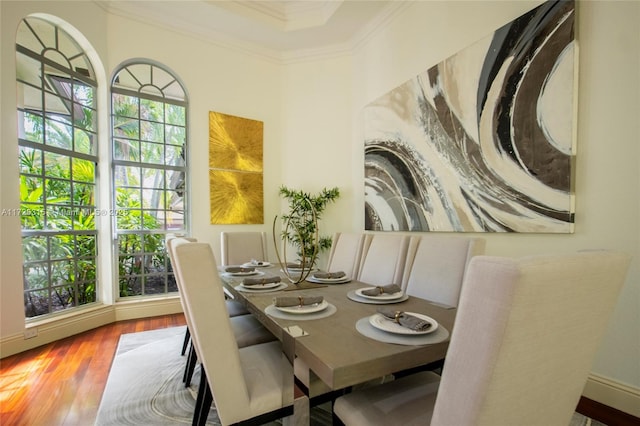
[(243, 274), (381, 322), (266, 286), (383, 296), (305, 309), (340, 280)]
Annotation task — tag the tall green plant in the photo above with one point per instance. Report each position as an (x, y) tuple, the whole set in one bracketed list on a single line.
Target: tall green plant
[(300, 228)]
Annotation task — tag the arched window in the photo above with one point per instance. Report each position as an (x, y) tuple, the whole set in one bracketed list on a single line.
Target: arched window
[(57, 138), (149, 123)]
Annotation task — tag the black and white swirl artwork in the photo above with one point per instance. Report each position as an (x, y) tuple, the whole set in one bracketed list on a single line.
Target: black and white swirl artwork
[(484, 141)]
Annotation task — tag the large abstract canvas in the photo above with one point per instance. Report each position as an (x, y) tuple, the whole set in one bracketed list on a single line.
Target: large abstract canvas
[(235, 170), (484, 141)]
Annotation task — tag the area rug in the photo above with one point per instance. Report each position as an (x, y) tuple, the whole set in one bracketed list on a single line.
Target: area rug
[(145, 382), (145, 385)]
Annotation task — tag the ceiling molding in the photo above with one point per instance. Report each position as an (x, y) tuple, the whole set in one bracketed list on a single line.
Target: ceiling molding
[(194, 22), (286, 15)]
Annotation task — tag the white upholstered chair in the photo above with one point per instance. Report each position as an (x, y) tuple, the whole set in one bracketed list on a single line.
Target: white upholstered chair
[(436, 265), (233, 307), (245, 383), (346, 253), (242, 247), (247, 330), (383, 259), (523, 344)]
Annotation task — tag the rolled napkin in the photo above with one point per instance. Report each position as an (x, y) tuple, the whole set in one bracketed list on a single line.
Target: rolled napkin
[(257, 262), (405, 320), (237, 269), (338, 274), (284, 301), (257, 282), (379, 290)]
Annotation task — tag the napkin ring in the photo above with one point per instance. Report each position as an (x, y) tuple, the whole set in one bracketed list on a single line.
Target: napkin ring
[(301, 301), (380, 289), (397, 316)]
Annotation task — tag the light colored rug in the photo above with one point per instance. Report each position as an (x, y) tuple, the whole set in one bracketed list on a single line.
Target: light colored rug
[(145, 382), (145, 385)]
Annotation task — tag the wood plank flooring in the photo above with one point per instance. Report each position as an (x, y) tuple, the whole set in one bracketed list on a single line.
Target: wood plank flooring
[(62, 383)]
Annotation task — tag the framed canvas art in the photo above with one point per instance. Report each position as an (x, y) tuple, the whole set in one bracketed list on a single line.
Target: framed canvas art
[(483, 141), (235, 170)]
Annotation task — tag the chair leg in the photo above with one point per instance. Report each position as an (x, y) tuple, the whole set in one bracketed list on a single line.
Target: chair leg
[(204, 401), (192, 359), (199, 399), (187, 336)]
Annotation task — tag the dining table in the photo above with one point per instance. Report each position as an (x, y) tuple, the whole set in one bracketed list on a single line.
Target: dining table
[(338, 345)]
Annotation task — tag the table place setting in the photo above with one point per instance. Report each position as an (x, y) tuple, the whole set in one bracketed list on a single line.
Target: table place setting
[(300, 307), (404, 328), (253, 263), (321, 277), (378, 295), (261, 285), (241, 271)]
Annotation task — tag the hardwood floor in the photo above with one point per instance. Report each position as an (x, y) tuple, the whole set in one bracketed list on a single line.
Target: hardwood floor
[(62, 383)]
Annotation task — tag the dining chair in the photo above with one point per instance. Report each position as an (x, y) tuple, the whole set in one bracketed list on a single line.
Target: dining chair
[(241, 247), (246, 328), (346, 253), (233, 307), (436, 266), (525, 337), (253, 383), (383, 259)]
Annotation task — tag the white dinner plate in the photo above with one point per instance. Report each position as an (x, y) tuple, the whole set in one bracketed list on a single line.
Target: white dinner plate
[(383, 296), (244, 274), (340, 280), (265, 286), (305, 309), (381, 322), (294, 271), (256, 265)]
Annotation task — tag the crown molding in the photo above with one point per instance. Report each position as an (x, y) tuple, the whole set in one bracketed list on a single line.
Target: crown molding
[(149, 16)]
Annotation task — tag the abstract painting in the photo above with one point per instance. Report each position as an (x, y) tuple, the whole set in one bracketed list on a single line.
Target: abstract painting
[(483, 141), (235, 170)]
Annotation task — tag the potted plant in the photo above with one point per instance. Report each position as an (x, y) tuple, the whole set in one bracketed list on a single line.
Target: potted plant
[(300, 225)]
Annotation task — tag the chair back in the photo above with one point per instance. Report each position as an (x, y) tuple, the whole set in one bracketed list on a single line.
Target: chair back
[(436, 265), (525, 337), (241, 247), (170, 242), (211, 329), (345, 253), (383, 259)]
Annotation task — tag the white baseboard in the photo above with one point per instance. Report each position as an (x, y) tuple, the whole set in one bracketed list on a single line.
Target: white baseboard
[(147, 308), (66, 325), (613, 394), (57, 328)]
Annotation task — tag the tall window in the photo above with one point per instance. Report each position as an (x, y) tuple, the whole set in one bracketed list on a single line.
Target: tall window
[(149, 116), (57, 160)]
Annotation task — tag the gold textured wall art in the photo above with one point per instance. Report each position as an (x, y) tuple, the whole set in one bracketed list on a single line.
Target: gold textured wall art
[(236, 191)]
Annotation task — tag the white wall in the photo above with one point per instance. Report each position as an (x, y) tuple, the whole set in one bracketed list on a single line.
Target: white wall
[(608, 154), (312, 116), (317, 140)]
